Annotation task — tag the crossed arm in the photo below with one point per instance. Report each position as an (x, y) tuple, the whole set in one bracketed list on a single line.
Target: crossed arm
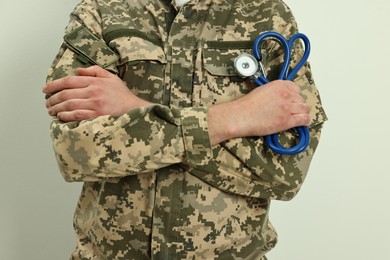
[(94, 92)]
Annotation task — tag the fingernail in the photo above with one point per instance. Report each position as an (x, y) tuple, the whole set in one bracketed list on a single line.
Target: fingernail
[(50, 111)]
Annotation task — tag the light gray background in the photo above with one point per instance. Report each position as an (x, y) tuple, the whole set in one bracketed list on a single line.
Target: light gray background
[(342, 211)]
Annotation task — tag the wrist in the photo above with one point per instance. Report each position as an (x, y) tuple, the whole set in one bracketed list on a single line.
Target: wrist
[(222, 123)]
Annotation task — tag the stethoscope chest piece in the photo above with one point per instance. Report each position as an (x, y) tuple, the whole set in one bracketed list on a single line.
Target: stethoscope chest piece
[(246, 65)]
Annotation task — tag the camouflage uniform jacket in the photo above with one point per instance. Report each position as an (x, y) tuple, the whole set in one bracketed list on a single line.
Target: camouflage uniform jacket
[(154, 187)]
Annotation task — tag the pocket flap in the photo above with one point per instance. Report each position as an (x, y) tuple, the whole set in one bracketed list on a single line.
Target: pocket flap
[(219, 56), (133, 49), (84, 42)]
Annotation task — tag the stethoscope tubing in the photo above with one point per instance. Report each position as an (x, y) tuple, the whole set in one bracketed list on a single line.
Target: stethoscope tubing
[(272, 141)]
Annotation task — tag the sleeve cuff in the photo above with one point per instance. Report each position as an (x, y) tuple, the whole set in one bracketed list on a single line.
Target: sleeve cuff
[(195, 135)]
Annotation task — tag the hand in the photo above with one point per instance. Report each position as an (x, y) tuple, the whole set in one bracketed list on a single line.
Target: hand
[(274, 107), (93, 92)]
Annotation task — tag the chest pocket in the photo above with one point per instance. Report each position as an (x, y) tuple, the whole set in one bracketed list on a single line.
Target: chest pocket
[(141, 65), (82, 48), (220, 81)]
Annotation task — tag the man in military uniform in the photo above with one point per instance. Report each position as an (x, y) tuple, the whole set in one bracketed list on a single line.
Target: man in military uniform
[(150, 115)]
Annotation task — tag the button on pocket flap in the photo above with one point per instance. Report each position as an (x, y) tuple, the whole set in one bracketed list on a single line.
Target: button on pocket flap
[(90, 47)]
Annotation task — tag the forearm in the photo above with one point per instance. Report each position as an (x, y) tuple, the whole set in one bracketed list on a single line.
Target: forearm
[(244, 165), (273, 108), (142, 140)]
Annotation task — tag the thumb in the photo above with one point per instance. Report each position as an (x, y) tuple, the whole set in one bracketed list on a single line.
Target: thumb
[(93, 71)]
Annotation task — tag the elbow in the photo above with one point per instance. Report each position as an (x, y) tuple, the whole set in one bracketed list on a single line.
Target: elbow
[(285, 192), (286, 181), (284, 184), (67, 172)]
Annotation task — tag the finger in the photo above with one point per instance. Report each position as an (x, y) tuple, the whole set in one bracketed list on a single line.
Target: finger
[(65, 95), (70, 82), (72, 105), (293, 87), (296, 98), (94, 71), (299, 120), (300, 108), (77, 115)]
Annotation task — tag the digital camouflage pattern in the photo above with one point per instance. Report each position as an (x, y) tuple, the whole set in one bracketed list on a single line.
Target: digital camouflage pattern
[(154, 187)]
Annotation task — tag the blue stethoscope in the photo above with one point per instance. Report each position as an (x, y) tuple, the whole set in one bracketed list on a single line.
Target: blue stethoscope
[(247, 65)]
